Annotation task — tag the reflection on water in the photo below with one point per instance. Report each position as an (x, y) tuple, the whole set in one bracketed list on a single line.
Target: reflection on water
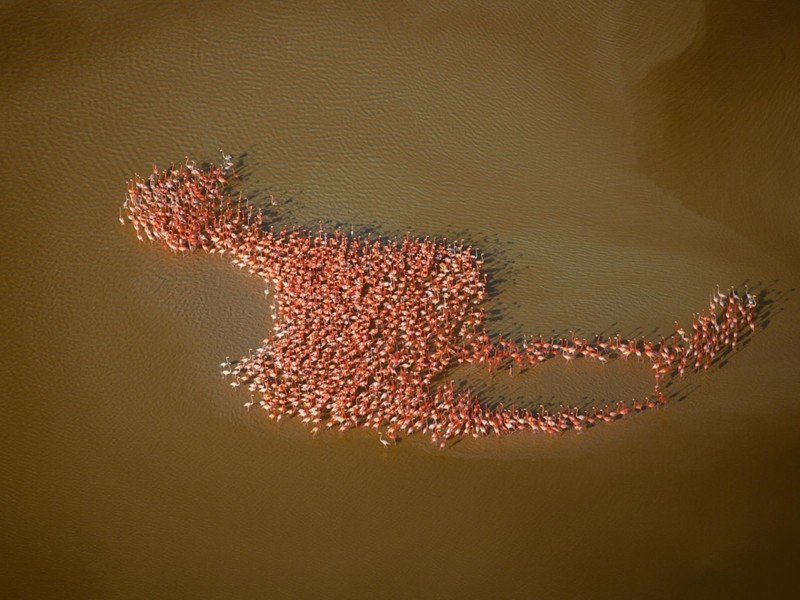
[(615, 160)]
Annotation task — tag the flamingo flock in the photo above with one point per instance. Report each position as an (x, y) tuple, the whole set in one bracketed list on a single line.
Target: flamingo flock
[(365, 329)]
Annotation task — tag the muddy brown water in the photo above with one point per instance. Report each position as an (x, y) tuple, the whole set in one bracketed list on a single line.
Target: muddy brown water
[(615, 159)]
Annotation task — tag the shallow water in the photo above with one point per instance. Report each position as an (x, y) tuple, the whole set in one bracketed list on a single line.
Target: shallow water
[(614, 161)]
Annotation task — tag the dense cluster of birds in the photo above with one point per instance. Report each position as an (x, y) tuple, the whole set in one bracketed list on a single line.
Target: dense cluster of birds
[(365, 329)]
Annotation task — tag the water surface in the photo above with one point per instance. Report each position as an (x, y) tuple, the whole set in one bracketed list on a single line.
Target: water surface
[(615, 159)]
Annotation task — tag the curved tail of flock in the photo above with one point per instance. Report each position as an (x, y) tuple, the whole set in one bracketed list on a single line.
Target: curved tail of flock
[(363, 327)]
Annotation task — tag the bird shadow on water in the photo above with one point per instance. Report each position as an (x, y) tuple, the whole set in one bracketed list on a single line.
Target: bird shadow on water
[(771, 300), (277, 205), (501, 269)]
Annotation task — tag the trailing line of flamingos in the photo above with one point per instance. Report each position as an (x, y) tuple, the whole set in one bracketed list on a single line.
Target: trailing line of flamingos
[(364, 328)]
